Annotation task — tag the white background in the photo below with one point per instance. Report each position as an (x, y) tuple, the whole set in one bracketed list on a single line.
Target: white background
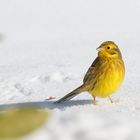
[(47, 46)]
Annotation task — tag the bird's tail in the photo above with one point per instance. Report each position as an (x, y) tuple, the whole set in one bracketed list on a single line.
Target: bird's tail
[(72, 94)]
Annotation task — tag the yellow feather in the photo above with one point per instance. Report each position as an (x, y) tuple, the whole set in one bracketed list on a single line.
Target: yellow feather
[(104, 76)]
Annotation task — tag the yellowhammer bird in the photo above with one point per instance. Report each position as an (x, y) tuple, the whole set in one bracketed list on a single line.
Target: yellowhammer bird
[(104, 76)]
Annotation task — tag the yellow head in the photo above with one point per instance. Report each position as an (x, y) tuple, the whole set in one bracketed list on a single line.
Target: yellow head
[(109, 49)]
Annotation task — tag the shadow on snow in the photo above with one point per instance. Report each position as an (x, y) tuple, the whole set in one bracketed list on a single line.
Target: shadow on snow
[(47, 104)]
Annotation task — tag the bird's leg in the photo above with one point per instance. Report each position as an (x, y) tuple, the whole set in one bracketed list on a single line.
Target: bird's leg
[(94, 100), (110, 99)]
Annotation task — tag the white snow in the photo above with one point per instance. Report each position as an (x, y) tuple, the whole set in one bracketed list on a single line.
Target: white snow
[(46, 46)]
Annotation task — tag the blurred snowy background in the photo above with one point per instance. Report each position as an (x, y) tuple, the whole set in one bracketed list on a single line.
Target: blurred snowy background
[(46, 46)]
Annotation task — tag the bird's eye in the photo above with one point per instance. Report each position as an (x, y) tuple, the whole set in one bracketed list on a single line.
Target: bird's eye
[(108, 47)]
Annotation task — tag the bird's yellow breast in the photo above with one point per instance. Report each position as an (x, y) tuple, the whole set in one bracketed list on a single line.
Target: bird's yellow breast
[(110, 77)]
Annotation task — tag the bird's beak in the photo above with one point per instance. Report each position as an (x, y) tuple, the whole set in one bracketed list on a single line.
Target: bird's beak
[(100, 48)]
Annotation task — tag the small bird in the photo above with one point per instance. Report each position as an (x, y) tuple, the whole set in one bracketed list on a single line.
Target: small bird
[(104, 76)]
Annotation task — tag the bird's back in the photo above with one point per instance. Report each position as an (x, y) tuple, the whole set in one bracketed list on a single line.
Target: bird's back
[(104, 76)]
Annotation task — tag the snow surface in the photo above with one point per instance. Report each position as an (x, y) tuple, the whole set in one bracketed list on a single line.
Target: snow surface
[(46, 46)]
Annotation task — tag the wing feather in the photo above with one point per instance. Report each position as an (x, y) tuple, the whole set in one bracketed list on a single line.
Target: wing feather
[(90, 74)]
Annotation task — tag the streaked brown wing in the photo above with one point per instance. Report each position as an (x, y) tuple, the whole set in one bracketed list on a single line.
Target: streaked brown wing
[(91, 71)]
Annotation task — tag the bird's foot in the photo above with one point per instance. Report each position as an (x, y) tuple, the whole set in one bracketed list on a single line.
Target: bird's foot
[(110, 99)]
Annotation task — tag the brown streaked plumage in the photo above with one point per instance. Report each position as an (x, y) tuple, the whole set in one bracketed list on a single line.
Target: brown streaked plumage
[(104, 76)]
